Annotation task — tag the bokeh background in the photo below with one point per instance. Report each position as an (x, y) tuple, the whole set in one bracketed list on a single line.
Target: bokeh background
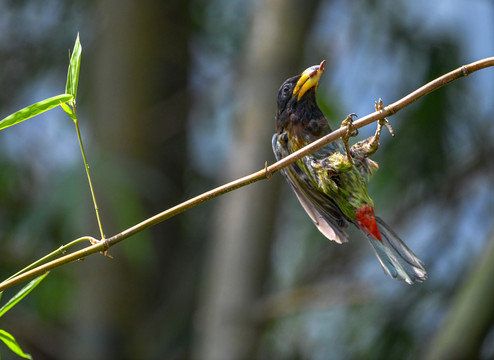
[(176, 97)]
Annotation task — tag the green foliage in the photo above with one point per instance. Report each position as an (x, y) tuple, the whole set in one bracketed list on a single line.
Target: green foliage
[(12, 344), (34, 109), (73, 71), (48, 104), (17, 117), (21, 294), (7, 338)]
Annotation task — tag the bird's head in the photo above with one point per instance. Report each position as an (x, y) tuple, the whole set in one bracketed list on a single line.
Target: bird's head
[(298, 92)]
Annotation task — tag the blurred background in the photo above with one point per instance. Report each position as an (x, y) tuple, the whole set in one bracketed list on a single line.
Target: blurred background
[(177, 97)]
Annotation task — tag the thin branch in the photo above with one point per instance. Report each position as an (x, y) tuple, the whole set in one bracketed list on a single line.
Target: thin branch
[(266, 173), (61, 250), (86, 166)]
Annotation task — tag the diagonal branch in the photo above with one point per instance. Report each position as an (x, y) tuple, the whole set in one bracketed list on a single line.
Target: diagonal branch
[(105, 244)]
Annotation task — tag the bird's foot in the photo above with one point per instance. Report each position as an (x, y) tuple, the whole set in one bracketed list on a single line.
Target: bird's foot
[(348, 122), (367, 147), (378, 105)]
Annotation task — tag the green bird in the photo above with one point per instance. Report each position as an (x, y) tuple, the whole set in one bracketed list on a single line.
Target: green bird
[(330, 183)]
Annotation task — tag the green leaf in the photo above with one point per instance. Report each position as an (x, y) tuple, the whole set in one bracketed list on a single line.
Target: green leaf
[(68, 110), (34, 109), (21, 294), (12, 344), (74, 67)]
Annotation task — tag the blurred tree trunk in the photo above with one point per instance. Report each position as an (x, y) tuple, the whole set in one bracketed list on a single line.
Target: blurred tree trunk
[(243, 225), (471, 315), (139, 84)]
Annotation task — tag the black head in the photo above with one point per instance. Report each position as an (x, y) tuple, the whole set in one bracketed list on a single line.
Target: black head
[(285, 94), (297, 98)]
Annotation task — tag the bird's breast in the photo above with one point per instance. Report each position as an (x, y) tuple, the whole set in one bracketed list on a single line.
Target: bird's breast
[(302, 132)]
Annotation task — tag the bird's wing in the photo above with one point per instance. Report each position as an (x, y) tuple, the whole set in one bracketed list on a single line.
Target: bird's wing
[(320, 208)]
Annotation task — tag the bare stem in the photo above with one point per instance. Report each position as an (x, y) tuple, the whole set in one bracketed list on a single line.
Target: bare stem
[(265, 173), (86, 166), (61, 250)]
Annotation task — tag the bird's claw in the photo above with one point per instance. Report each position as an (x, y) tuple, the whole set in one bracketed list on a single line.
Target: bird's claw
[(365, 148), (368, 147), (382, 122), (348, 122)]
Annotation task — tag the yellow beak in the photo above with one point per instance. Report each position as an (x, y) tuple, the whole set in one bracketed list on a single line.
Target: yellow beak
[(309, 78)]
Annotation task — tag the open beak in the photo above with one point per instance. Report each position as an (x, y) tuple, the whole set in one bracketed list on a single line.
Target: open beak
[(309, 78)]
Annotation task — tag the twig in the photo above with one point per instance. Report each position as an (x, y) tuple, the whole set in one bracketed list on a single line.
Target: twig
[(265, 173), (61, 250), (86, 166)]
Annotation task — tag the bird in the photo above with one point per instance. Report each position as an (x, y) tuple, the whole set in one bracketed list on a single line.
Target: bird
[(331, 182)]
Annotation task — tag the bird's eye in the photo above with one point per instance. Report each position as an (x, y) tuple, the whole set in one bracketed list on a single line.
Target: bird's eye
[(286, 89)]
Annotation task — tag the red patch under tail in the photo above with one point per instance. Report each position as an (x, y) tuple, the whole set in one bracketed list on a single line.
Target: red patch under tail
[(367, 221)]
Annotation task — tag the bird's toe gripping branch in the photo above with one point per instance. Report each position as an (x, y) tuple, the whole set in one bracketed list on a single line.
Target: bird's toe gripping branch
[(378, 105), (367, 147), (348, 122)]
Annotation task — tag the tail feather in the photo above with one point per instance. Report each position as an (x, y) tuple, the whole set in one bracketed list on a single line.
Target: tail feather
[(395, 257)]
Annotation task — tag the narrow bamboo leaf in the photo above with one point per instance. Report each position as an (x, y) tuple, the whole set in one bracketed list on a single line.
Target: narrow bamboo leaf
[(21, 294), (68, 110), (33, 110), (12, 344), (74, 67)]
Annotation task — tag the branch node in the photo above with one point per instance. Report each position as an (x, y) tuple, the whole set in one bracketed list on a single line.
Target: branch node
[(267, 172), (465, 71), (105, 243), (92, 240), (106, 246)]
